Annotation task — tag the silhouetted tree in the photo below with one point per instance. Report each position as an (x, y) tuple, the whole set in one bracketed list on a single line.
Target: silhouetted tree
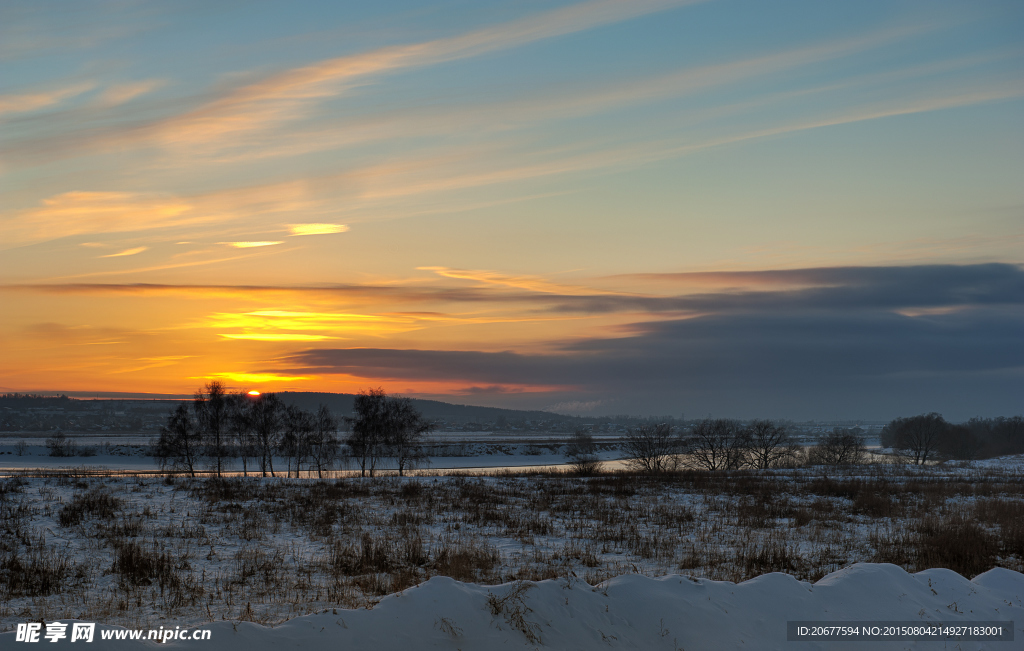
[(582, 453), (404, 433), (239, 421), (998, 436), (652, 448), (265, 414), (385, 426), (960, 442), (324, 444), (366, 437), (718, 444), (296, 440), (840, 447), (918, 437), (769, 444), (212, 414), (180, 446), (60, 445)]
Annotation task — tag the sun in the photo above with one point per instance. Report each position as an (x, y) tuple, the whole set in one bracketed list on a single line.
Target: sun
[(254, 393)]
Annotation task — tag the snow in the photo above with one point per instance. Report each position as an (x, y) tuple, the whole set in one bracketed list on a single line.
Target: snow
[(1010, 463), (124, 456), (639, 612)]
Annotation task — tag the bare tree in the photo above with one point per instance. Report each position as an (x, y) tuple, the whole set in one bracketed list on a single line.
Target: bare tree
[(582, 453), (404, 433), (919, 437), (265, 420), (385, 426), (180, 446), (960, 442), (769, 444), (840, 447), (323, 444), (60, 445), (240, 428), (295, 442), (652, 448), (20, 448), (212, 414), (718, 444), (366, 438)]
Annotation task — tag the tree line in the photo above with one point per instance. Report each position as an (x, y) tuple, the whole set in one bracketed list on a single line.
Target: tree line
[(726, 444), (217, 428), (931, 437)]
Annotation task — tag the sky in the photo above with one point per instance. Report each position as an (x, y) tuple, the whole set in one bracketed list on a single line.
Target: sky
[(792, 209)]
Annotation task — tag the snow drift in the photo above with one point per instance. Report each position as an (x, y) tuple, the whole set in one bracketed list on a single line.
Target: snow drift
[(635, 612)]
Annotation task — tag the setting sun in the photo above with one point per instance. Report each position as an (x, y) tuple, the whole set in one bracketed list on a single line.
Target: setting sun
[(254, 393)]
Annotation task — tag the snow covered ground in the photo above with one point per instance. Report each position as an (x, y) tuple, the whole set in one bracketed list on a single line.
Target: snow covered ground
[(637, 612), (280, 552)]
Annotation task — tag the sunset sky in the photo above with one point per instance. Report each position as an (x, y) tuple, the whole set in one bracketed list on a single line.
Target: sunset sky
[(739, 208)]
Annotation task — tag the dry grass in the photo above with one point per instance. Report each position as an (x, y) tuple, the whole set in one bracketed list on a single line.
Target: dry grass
[(266, 550)]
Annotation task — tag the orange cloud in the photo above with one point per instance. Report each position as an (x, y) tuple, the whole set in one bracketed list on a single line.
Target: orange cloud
[(278, 325), (316, 229), (531, 283), (135, 251), (95, 212), (77, 213), (276, 337), (250, 245), (254, 378)]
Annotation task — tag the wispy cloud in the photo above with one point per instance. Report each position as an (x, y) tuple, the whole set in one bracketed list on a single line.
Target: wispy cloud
[(118, 94), (275, 336), (527, 282), (251, 245), (77, 213), (288, 95), (444, 174), (134, 251), (95, 212), (316, 229), (39, 99)]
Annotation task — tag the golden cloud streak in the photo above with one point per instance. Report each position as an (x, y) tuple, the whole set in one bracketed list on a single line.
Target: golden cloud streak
[(250, 245), (135, 251), (266, 325), (276, 337), (316, 229), (531, 283), (255, 378), (77, 213)]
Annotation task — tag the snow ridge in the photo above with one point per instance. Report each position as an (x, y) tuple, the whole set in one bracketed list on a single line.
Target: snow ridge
[(637, 612)]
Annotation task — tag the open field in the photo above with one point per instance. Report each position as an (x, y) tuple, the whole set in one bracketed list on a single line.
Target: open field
[(143, 551)]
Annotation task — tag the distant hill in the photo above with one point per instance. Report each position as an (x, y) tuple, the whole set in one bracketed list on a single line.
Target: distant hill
[(341, 405)]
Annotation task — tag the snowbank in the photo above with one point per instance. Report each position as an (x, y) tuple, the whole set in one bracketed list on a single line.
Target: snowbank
[(638, 612)]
